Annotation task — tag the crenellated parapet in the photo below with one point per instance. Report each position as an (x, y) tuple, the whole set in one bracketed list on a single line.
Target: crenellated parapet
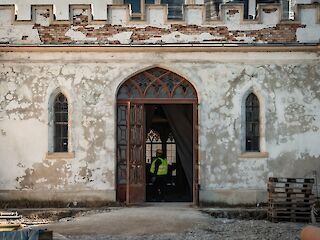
[(114, 24)]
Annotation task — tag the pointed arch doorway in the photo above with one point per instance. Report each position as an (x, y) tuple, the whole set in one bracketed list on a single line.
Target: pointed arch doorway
[(139, 101)]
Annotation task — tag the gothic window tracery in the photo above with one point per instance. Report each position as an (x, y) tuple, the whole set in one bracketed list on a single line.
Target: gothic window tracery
[(153, 142), (157, 83)]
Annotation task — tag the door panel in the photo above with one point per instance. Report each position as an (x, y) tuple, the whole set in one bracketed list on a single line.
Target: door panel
[(136, 172), (122, 151)]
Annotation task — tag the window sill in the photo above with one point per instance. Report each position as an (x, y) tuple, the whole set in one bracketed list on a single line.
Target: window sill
[(60, 155), (254, 155)]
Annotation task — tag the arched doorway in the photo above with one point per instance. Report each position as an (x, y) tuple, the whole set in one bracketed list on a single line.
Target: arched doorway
[(155, 100)]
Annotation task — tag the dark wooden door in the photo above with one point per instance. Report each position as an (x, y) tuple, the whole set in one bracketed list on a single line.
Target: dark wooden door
[(136, 161), (153, 86), (122, 150)]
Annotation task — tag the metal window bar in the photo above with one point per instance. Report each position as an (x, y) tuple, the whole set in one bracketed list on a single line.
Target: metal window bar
[(252, 123), (61, 124), (174, 8)]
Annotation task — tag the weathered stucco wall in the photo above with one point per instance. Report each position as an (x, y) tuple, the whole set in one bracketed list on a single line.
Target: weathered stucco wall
[(287, 85), (80, 27)]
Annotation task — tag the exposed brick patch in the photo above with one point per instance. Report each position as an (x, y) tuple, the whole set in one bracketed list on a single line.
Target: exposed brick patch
[(282, 33), (45, 14), (232, 11), (81, 18), (55, 34), (269, 10)]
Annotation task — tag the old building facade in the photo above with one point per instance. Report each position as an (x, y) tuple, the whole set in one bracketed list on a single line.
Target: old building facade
[(86, 85)]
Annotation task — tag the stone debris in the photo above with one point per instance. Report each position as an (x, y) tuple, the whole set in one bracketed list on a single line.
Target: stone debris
[(235, 225), (9, 215), (34, 217)]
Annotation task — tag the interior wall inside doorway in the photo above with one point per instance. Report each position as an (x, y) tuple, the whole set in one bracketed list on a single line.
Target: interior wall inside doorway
[(170, 127)]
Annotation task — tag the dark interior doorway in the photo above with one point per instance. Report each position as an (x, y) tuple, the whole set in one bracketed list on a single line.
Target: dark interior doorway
[(170, 128), (137, 101)]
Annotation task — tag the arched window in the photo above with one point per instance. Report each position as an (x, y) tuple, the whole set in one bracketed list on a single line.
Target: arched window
[(252, 124), (60, 123), (153, 142)]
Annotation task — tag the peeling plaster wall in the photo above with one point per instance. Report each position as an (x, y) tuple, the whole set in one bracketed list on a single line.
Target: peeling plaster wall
[(25, 90), (287, 85), (80, 27)]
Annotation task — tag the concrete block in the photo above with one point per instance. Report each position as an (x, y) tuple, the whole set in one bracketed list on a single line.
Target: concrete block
[(156, 14)]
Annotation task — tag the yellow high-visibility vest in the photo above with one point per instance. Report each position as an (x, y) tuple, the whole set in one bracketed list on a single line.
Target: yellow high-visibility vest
[(163, 167)]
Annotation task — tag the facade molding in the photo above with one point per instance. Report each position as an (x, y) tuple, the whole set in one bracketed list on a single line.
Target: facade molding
[(166, 48)]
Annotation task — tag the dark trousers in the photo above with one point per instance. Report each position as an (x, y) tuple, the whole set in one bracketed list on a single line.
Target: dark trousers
[(159, 187)]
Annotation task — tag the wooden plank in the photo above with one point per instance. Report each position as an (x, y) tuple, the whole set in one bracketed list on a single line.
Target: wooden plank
[(283, 203), (294, 185), (283, 206), (290, 206), (288, 213), (293, 199), (291, 180), (281, 219), (288, 186), (290, 195)]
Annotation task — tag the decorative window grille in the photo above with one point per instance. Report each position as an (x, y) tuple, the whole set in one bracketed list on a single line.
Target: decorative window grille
[(171, 149), (157, 83), (61, 123), (252, 124), (171, 152), (153, 143)]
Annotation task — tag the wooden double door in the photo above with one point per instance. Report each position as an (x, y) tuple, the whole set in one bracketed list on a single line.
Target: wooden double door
[(152, 86), (131, 175), (130, 153)]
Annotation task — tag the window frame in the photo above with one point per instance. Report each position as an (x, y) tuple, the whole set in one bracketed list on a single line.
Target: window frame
[(262, 98), (156, 142), (51, 153), (58, 141), (142, 14), (252, 121)]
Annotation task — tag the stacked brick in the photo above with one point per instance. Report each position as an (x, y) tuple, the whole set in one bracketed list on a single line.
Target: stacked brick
[(55, 33), (290, 199)]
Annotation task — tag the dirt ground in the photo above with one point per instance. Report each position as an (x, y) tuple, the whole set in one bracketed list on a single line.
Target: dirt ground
[(161, 221), (169, 221)]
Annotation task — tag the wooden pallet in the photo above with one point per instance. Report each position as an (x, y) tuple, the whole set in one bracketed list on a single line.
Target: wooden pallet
[(290, 199), (291, 180)]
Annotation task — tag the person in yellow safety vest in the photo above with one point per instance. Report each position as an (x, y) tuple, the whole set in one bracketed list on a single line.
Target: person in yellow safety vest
[(159, 171)]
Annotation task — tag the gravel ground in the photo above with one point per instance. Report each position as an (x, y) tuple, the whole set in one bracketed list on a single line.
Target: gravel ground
[(215, 228), (163, 222)]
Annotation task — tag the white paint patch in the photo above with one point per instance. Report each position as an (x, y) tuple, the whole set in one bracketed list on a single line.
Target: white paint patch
[(177, 37), (41, 180), (78, 36), (19, 34), (311, 32), (15, 148), (123, 37)]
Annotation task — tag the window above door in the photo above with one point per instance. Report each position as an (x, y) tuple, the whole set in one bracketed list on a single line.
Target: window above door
[(175, 8)]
